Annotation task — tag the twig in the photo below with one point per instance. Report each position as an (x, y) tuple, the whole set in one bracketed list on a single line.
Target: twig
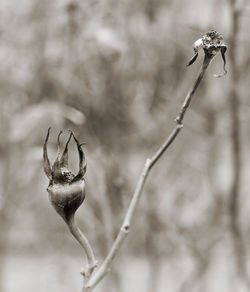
[(81, 238), (187, 101), (150, 162)]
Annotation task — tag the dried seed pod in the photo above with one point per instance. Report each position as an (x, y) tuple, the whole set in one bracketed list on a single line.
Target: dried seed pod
[(211, 43), (66, 190)]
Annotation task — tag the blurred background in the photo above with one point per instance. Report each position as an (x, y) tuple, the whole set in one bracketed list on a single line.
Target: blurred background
[(114, 73)]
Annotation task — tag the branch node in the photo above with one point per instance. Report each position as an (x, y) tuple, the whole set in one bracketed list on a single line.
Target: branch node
[(178, 120), (126, 228)]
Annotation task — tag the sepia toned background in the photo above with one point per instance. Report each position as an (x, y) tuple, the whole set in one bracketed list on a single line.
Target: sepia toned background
[(115, 73)]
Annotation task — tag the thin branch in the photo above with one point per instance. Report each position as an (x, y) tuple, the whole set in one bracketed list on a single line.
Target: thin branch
[(187, 101), (80, 237), (150, 162)]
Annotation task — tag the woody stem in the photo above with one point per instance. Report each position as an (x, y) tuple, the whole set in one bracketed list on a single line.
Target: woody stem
[(81, 238), (207, 59)]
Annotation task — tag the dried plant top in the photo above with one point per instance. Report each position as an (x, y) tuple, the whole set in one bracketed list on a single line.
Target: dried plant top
[(66, 190), (211, 43)]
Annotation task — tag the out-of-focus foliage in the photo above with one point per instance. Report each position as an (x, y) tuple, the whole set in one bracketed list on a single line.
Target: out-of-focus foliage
[(114, 72)]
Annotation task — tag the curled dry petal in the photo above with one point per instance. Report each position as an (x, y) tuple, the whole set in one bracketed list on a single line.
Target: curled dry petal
[(46, 163), (197, 45), (64, 159), (222, 51), (56, 165), (82, 161), (193, 59)]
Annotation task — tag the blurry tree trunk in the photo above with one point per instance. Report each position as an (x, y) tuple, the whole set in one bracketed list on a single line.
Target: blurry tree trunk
[(4, 194), (114, 282), (5, 157), (3, 242), (234, 101), (195, 279), (155, 244), (154, 273)]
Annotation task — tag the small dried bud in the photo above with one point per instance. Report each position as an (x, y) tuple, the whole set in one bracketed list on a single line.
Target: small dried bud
[(66, 190), (211, 43)]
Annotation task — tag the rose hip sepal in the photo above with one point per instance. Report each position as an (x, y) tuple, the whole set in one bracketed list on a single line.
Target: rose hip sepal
[(66, 190)]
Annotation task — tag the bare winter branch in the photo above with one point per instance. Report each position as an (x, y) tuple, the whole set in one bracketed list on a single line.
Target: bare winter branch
[(150, 162)]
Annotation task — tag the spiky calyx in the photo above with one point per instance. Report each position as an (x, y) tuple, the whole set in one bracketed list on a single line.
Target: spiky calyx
[(66, 190)]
